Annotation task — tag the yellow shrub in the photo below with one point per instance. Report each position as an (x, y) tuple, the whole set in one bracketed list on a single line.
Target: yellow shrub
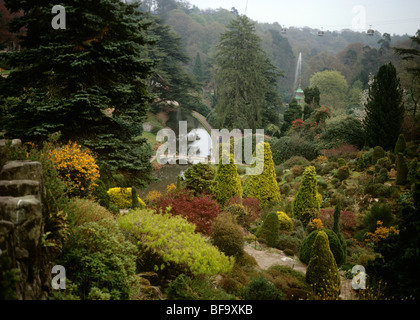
[(285, 222), (381, 233), (152, 197), (322, 159), (121, 197), (316, 224), (170, 187), (76, 167)]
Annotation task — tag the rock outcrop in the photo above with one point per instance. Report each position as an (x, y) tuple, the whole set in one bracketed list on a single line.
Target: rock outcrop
[(21, 194)]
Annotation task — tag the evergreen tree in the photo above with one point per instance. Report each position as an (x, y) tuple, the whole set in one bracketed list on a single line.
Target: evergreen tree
[(384, 109), (263, 186), (270, 229), (306, 203), (227, 180), (170, 80), (400, 145), (322, 272), (88, 81), (292, 113), (402, 170), (198, 69), (244, 77)]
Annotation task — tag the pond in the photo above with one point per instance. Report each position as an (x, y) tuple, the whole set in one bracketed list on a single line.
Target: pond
[(169, 172)]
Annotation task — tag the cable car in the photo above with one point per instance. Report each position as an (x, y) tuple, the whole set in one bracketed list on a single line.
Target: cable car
[(283, 30), (370, 31), (321, 33)]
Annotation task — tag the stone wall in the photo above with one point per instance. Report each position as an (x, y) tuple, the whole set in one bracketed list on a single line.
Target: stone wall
[(21, 194)]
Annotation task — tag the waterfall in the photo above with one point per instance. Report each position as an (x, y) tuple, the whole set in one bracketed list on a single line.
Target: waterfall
[(298, 72)]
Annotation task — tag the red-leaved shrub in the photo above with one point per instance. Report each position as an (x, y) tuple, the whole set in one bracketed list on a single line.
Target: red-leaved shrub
[(346, 151), (251, 204), (199, 210)]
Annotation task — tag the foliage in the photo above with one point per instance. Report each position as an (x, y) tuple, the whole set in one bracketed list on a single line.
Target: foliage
[(305, 252), (199, 210), (100, 194), (88, 81), (344, 151), (152, 197), (270, 229), (384, 109), (286, 223), (227, 181), (306, 203), (261, 289), (76, 167), (315, 224), (96, 254), (322, 272), (381, 233), (247, 210), (402, 170), (333, 87), (343, 173), (290, 146), (378, 153), (289, 242), (400, 145), (9, 277), (348, 130), (196, 288), (170, 242), (263, 186), (121, 197), (200, 178), (245, 77), (227, 235), (377, 212)]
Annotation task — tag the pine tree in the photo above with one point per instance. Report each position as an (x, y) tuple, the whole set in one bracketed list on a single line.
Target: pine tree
[(228, 183), (306, 203), (402, 170), (263, 186), (292, 113), (384, 109), (322, 272), (88, 81), (243, 76), (198, 69)]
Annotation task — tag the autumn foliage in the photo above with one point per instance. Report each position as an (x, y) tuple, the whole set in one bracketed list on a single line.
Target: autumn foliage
[(199, 210)]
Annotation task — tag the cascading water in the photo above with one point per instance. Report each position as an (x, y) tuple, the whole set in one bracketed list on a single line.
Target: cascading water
[(298, 72)]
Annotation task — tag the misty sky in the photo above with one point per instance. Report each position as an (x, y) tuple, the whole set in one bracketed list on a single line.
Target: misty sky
[(391, 16)]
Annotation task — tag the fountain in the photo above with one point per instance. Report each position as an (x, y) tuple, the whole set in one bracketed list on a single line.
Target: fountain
[(298, 72)]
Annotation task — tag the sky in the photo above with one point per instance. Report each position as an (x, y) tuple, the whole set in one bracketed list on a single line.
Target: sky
[(390, 16)]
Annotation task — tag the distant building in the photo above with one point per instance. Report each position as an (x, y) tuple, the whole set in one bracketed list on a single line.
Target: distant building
[(299, 96)]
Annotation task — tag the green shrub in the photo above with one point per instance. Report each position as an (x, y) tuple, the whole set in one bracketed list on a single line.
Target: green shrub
[(384, 162), (169, 245), (382, 176), (96, 254), (295, 161), (100, 194), (305, 252), (270, 229), (261, 289), (400, 145), (228, 183), (285, 222), (289, 146), (343, 173), (288, 242), (263, 186), (377, 212), (227, 235), (402, 170), (238, 211), (378, 153), (306, 203), (341, 162), (198, 288), (80, 211), (322, 272), (122, 197), (200, 178)]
